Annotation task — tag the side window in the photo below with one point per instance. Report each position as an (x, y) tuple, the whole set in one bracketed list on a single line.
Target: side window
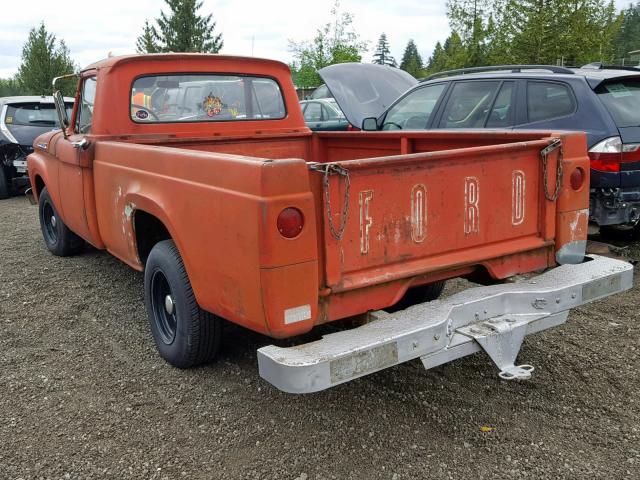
[(547, 100), (87, 99), (327, 113), (414, 110), (313, 112), (502, 111), (468, 105)]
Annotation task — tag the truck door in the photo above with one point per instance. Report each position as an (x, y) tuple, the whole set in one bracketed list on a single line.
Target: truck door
[(74, 154)]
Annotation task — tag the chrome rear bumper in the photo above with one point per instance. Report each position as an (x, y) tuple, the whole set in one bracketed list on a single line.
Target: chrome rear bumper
[(494, 318)]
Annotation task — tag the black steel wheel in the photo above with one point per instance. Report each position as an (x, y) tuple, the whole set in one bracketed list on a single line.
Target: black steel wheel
[(163, 305), (57, 237), (184, 334)]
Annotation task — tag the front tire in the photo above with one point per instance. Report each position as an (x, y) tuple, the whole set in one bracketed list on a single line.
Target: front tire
[(59, 240), (185, 335)]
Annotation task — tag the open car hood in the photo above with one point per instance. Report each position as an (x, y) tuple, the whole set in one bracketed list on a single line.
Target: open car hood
[(365, 90)]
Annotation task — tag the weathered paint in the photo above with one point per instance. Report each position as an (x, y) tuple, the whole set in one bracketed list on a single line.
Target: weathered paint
[(423, 206)]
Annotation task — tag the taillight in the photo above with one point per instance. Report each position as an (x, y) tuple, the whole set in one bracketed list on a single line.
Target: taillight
[(577, 178), (351, 128), (290, 222), (607, 155)]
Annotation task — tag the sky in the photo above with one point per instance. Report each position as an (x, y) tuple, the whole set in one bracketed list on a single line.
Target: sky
[(94, 29)]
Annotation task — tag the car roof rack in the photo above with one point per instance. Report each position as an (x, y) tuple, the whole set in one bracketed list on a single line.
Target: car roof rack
[(600, 66), (494, 68)]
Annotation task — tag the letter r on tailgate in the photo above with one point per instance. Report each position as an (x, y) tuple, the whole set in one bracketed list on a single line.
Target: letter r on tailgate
[(471, 208)]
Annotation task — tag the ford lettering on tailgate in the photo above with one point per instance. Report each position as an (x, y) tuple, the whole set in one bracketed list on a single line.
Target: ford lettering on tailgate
[(430, 207)]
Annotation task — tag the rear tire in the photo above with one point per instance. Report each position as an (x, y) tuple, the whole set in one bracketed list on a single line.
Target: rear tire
[(185, 335), (421, 294), (4, 184), (59, 240)]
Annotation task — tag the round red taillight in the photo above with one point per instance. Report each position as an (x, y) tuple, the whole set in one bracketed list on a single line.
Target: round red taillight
[(577, 178), (290, 222)]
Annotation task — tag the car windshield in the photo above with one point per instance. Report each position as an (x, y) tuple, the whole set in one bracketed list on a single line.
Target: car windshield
[(34, 114), (414, 110), (205, 98), (622, 100)]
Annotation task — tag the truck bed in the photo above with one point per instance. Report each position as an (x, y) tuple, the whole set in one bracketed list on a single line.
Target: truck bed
[(422, 207)]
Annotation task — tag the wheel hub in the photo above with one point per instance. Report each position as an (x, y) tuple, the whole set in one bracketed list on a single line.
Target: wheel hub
[(53, 221), (169, 304)]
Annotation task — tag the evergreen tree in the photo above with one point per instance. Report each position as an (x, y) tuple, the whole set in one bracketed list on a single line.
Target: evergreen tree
[(43, 59), (450, 56), (9, 87), (382, 55), (571, 32), (411, 60), (628, 38), (335, 42), (181, 30), (146, 43), (552, 31)]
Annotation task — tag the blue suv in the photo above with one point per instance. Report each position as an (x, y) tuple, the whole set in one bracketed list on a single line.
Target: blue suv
[(601, 101)]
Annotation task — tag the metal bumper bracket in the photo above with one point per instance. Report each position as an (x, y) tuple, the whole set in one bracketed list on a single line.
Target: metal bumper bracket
[(501, 338)]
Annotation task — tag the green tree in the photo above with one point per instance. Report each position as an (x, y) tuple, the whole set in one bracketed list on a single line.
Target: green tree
[(475, 23), (382, 55), (628, 38), (181, 30), (9, 87), (43, 59), (561, 31), (453, 54), (411, 60), (146, 43), (335, 42)]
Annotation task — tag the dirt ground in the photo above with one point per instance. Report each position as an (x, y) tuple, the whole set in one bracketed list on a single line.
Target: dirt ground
[(83, 394)]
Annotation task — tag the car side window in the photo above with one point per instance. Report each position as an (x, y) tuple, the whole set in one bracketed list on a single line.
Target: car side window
[(313, 112), (548, 100), (87, 99), (502, 111), (469, 104), (414, 110), (328, 114)]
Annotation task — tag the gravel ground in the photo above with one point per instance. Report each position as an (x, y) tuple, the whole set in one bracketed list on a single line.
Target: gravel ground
[(83, 393)]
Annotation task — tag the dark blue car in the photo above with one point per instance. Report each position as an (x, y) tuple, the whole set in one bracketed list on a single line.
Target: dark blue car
[(603, 102), (22, 119)]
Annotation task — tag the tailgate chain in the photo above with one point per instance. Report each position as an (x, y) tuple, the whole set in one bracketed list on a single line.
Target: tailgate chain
[(544, 153), (327, 169)]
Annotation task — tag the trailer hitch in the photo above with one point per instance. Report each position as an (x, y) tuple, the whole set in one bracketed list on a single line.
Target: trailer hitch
[(501, 338)]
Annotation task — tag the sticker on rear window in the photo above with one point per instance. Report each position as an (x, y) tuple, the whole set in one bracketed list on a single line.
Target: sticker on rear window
[(618, 90), (8, 120)]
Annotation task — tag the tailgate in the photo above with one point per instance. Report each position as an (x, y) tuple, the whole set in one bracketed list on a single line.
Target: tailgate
[(401, 216)]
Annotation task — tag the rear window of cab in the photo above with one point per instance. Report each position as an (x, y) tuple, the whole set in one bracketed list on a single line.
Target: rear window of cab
[(205, 98)]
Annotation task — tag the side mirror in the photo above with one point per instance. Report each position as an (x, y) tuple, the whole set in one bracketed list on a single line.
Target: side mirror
[(370, 124), (61, 110)]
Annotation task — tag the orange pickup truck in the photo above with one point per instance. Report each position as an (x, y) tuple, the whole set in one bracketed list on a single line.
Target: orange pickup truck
[(199, 170)]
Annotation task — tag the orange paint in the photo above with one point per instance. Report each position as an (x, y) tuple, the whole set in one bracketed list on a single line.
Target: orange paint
[(423, 206)]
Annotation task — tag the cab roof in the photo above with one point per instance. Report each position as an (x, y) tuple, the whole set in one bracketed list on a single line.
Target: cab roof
[(173, 57)]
